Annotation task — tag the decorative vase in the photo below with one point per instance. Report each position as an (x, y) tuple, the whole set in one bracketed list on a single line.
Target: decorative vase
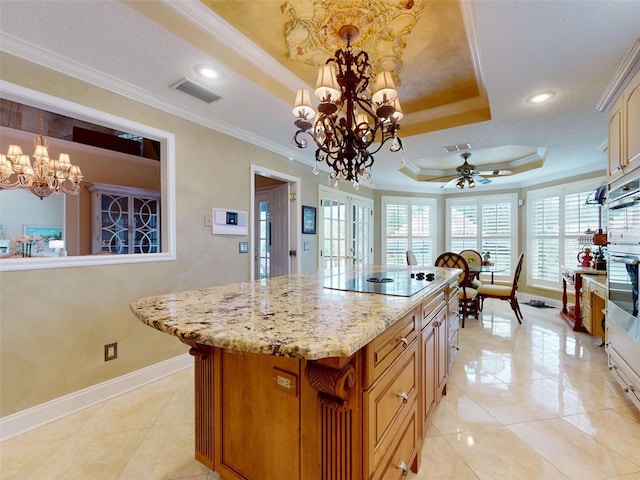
[(26, 249)]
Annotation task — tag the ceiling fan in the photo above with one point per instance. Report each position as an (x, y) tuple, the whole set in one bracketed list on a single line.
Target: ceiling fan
[(467, 173)]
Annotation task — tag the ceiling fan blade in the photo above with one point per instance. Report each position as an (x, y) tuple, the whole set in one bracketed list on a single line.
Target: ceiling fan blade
[(450, 183), (480, 179), (495, 172)]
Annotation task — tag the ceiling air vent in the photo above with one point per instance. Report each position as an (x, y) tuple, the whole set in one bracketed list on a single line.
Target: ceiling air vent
[(457, 148), (195, 90)]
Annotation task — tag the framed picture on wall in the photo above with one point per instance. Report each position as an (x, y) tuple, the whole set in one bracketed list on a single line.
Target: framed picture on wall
[(309, 220), (47, 233)]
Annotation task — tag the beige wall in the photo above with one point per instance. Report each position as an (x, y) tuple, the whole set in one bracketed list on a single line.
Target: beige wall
[(54, 323)]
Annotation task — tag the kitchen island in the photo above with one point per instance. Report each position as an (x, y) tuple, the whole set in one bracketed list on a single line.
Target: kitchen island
[(298, 378)]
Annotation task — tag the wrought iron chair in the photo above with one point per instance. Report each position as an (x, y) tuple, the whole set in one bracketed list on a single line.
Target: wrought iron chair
[(504, 292), (467, 295)]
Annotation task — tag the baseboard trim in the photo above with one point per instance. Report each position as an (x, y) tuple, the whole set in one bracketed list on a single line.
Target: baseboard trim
[(25, 420)]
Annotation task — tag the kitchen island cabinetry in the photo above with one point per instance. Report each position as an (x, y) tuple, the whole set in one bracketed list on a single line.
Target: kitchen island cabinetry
[(296, 381)]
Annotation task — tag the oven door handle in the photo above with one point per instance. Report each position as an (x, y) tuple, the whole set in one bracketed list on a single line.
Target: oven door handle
[(623, 203), (624, 259)]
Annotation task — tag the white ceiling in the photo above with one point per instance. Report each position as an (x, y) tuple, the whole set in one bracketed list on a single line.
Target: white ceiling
[(524, 46)]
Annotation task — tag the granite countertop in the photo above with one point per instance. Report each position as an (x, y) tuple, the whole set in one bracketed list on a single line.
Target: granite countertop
[(293, 315)]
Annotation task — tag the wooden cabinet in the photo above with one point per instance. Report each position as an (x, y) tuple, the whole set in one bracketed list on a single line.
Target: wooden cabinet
[(392, 388), (453, 320), (614, 155), (621, 101), (124, 220), (593, 298), (573, 314), (631, 125), (263, 417)]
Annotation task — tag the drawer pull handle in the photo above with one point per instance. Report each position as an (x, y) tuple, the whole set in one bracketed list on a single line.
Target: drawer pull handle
[(629, 388), (402, 466), (454, 346), (404, 396), (404, 341)]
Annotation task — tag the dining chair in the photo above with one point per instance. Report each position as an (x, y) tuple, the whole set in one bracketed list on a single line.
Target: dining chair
[(504, 292), (473, 257), (467, 295), (411, 258)]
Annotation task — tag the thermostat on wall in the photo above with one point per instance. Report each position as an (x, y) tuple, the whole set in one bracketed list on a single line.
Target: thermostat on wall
[(229, 222)]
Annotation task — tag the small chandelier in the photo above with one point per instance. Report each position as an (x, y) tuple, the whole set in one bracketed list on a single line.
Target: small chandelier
[(42, 177), (351, 124)]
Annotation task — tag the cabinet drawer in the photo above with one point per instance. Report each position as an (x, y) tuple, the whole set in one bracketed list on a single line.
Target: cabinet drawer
[(388, 403), (598, 291), (388, 346), (399, 459), (625, 376), (431, 307)]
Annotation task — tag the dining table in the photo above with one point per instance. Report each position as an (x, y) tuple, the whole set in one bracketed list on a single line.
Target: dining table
[(477, 270)]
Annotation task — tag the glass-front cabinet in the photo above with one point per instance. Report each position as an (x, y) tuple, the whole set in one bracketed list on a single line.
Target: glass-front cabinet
[(124, 220)]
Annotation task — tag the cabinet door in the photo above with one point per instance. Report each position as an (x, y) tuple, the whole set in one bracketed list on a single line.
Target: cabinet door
[(114, 217), (442, 332), (615, 142), (146, 225), (632, 110), (428, 373), (126, 220)]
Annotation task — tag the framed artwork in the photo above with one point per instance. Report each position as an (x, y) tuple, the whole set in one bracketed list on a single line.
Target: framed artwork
[(308, 220), (47, 233)]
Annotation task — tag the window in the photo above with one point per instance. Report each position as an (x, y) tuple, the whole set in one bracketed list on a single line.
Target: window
[(557, 216), (408, 224), (487, 223)]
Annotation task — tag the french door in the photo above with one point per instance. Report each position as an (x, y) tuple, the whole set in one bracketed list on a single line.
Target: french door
[(346, 229)]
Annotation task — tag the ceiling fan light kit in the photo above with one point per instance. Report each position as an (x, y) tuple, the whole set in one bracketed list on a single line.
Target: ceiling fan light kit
[(468, 175)]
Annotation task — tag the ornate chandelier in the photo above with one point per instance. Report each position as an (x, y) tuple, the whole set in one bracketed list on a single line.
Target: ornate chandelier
[(351, 124), (42, 177)]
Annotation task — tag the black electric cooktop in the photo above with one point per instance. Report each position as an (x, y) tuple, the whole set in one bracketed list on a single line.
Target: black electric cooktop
[(399, 284)]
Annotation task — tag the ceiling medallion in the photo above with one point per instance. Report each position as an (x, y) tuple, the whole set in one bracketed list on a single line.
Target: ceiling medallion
[(312, 33)]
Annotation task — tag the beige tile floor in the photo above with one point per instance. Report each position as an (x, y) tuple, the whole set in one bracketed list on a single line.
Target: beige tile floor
[(524, 402)]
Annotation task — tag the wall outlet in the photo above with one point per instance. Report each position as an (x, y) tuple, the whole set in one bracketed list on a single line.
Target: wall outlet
[(110, 352), (208, 220)]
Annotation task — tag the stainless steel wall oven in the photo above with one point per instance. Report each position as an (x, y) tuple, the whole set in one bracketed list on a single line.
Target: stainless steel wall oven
[(624, 252)]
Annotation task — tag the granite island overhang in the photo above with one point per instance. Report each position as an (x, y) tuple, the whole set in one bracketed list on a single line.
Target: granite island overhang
[(294, 380), (292, 316)]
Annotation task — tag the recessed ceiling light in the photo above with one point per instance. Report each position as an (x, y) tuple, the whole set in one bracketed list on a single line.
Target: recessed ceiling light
[(209, 72), (541, 97)]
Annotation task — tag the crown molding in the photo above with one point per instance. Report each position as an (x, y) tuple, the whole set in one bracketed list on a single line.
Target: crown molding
[(627, 69)]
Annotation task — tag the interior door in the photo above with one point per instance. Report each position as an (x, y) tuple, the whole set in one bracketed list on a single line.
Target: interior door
[(272, 231), (346, 229)]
